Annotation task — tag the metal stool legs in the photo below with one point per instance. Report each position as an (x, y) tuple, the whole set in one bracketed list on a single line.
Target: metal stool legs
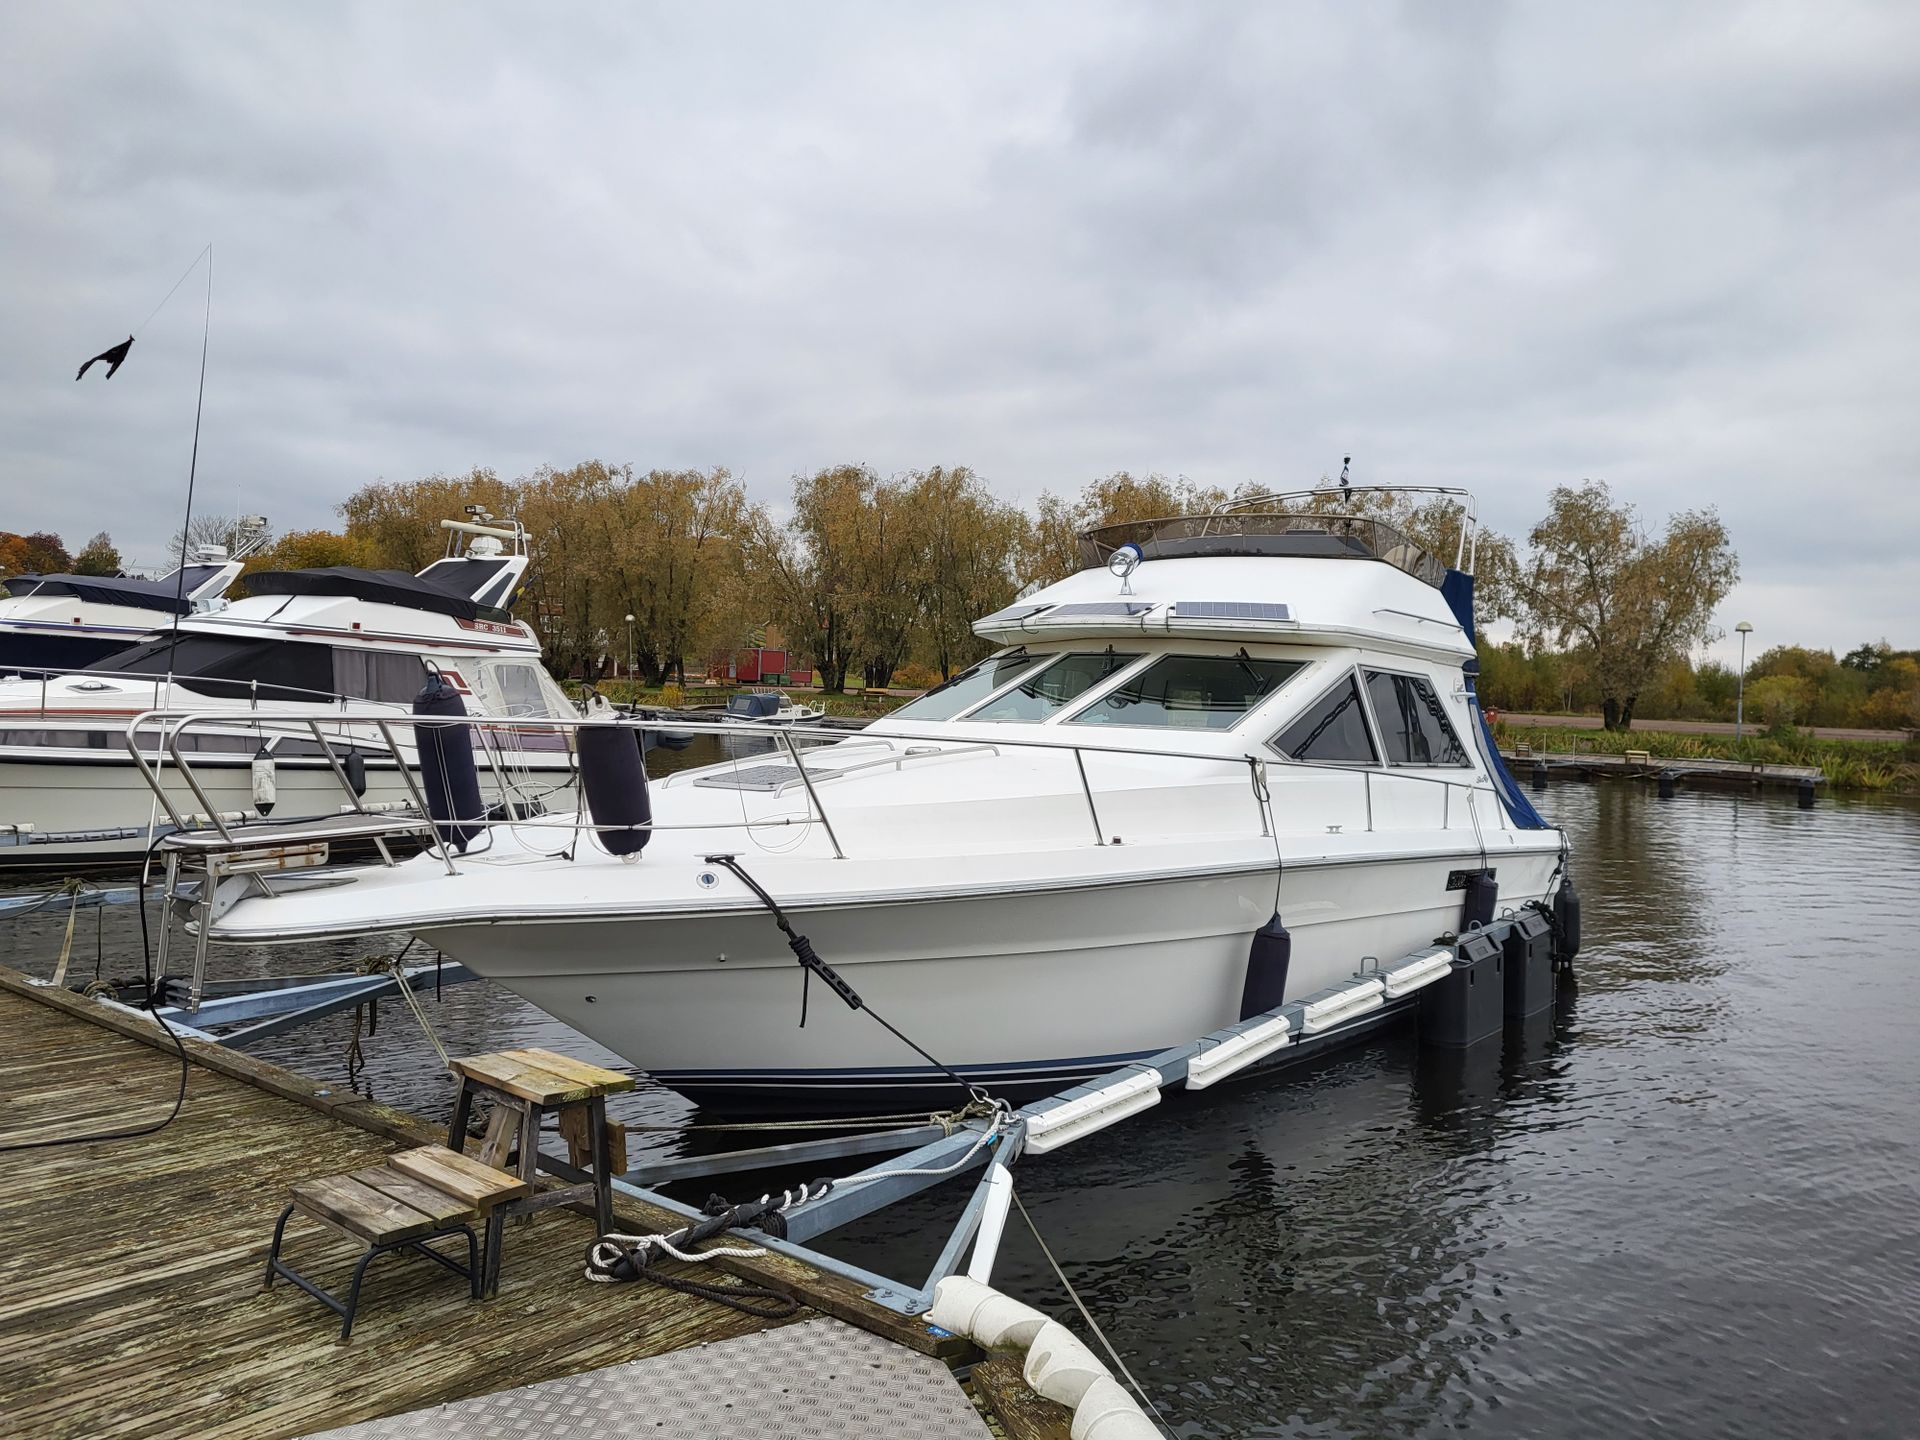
[(346, 1309)]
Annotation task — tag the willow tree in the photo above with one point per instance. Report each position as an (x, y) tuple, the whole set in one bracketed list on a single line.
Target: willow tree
[(1052, 550), (969, 547), (1594, 578), (809, 573), (396, 523)]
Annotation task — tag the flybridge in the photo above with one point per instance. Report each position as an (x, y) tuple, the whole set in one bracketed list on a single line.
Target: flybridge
[(1285, 530)]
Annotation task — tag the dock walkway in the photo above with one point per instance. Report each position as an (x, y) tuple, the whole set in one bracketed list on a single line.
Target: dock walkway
[(130, 1295)]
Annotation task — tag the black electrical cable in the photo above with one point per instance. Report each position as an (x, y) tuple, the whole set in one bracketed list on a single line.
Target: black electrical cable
[(812, 964), (179, 1046)]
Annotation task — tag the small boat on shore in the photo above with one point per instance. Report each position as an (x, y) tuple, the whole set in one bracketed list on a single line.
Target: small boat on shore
[(1068, 857)]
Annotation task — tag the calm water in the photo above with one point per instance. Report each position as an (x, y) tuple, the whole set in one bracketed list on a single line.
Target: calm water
[(1688, 1202)]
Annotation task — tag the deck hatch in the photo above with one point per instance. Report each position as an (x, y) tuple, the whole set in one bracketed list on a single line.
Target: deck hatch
[(751, 777)]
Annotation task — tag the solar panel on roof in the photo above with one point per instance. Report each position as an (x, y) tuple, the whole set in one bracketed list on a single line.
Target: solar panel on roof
[(1103, 607), (1013, 612), (1232, 610)]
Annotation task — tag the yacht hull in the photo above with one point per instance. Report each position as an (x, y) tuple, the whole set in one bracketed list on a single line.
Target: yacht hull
[(1021, 991)]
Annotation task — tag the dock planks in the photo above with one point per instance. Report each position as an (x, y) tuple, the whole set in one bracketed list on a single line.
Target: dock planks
[(130, 1299)]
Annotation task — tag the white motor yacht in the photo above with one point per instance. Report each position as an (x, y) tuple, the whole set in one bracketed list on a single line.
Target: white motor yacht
[(320, 644), (1050, 865), (55, 624)]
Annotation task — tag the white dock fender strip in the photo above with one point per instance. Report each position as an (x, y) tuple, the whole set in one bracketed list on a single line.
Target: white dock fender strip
[(1343, 1005), (1080, 1117), (1057, 1366), (1108, 1412), (1233, 1054), (1411, 975), (968, 1307), (1060, 1367)]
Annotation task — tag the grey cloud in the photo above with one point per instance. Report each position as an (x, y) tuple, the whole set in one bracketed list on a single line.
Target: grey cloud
[(1510, 246)]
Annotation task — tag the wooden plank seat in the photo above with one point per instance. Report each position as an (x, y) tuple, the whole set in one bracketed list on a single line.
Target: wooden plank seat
[(522, 1086), (416, 1196)]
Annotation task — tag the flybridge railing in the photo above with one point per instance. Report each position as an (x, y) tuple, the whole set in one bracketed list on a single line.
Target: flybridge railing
[(157, 733)]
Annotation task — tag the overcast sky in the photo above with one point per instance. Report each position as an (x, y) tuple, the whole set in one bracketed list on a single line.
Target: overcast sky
[(1673, 247)]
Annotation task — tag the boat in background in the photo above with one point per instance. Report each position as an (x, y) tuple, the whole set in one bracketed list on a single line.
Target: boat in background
[(1073, 855), (54, 624), (319, 644), (769, 707)]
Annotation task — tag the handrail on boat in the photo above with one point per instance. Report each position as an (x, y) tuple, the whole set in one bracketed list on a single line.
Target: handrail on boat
[(173, 724)]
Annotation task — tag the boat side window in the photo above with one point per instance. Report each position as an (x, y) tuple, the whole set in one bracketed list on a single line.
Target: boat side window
[(377, 675), (1413, 728), (968, 688), (1332, 731), (1044, 694), (62, 739), (520, 690), (1191, 692), (236, 668)]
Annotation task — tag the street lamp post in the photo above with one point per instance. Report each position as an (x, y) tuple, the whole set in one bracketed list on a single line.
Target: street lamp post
[(630, 650), (1740, 703)]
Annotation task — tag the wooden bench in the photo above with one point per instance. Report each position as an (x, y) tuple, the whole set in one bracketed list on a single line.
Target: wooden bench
[(416, 1196), (524, 1085)]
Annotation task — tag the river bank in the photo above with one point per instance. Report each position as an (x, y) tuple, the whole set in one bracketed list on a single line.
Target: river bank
[(1865, 766)]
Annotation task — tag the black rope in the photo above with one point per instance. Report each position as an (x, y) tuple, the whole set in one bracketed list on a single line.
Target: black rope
[(152, 1004), (811, 964)]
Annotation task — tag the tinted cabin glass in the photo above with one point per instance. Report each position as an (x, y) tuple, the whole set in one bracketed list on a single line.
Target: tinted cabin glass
[(1190, 692), (968, 688), (1065, 680), (378, 675), (206, 665), (1334, 731), (1413, 728)]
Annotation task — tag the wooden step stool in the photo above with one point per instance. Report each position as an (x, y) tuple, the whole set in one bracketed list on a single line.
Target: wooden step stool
[(416, 1196), (524, 1085)]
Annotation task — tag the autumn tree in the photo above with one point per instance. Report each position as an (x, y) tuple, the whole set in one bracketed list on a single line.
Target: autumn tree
[(98, 557), (808, 570), (1052, 549), (565, 586), (397, 523), (40, 553), (969, 546), (1593, 576), (672, 546), (308, 550)]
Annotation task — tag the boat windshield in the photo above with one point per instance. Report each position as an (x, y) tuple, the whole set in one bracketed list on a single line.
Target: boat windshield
[(1046, 693), (217, 665), (968, 688), (1191, 692)]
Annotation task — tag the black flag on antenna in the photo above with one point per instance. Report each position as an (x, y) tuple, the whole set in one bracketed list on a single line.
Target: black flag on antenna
[(114, 355)]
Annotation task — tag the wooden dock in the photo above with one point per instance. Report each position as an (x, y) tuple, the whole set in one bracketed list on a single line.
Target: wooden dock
[(130, 1278), (1644, 765)]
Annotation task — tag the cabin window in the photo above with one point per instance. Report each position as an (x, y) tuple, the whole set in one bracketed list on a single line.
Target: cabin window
[(968, 688), (1332, 732), (378, 675), (1191, 692), (237, 668), (1046, 693), (520, 690), (1413, 727)]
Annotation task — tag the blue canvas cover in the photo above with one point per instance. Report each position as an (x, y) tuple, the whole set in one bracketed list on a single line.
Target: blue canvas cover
[(1457, 589)]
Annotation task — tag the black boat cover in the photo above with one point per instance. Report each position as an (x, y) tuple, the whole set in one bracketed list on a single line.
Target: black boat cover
[(105, 590), (383, 587)]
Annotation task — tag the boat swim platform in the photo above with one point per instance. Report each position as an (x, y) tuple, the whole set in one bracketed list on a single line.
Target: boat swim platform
[(131, 1301)]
